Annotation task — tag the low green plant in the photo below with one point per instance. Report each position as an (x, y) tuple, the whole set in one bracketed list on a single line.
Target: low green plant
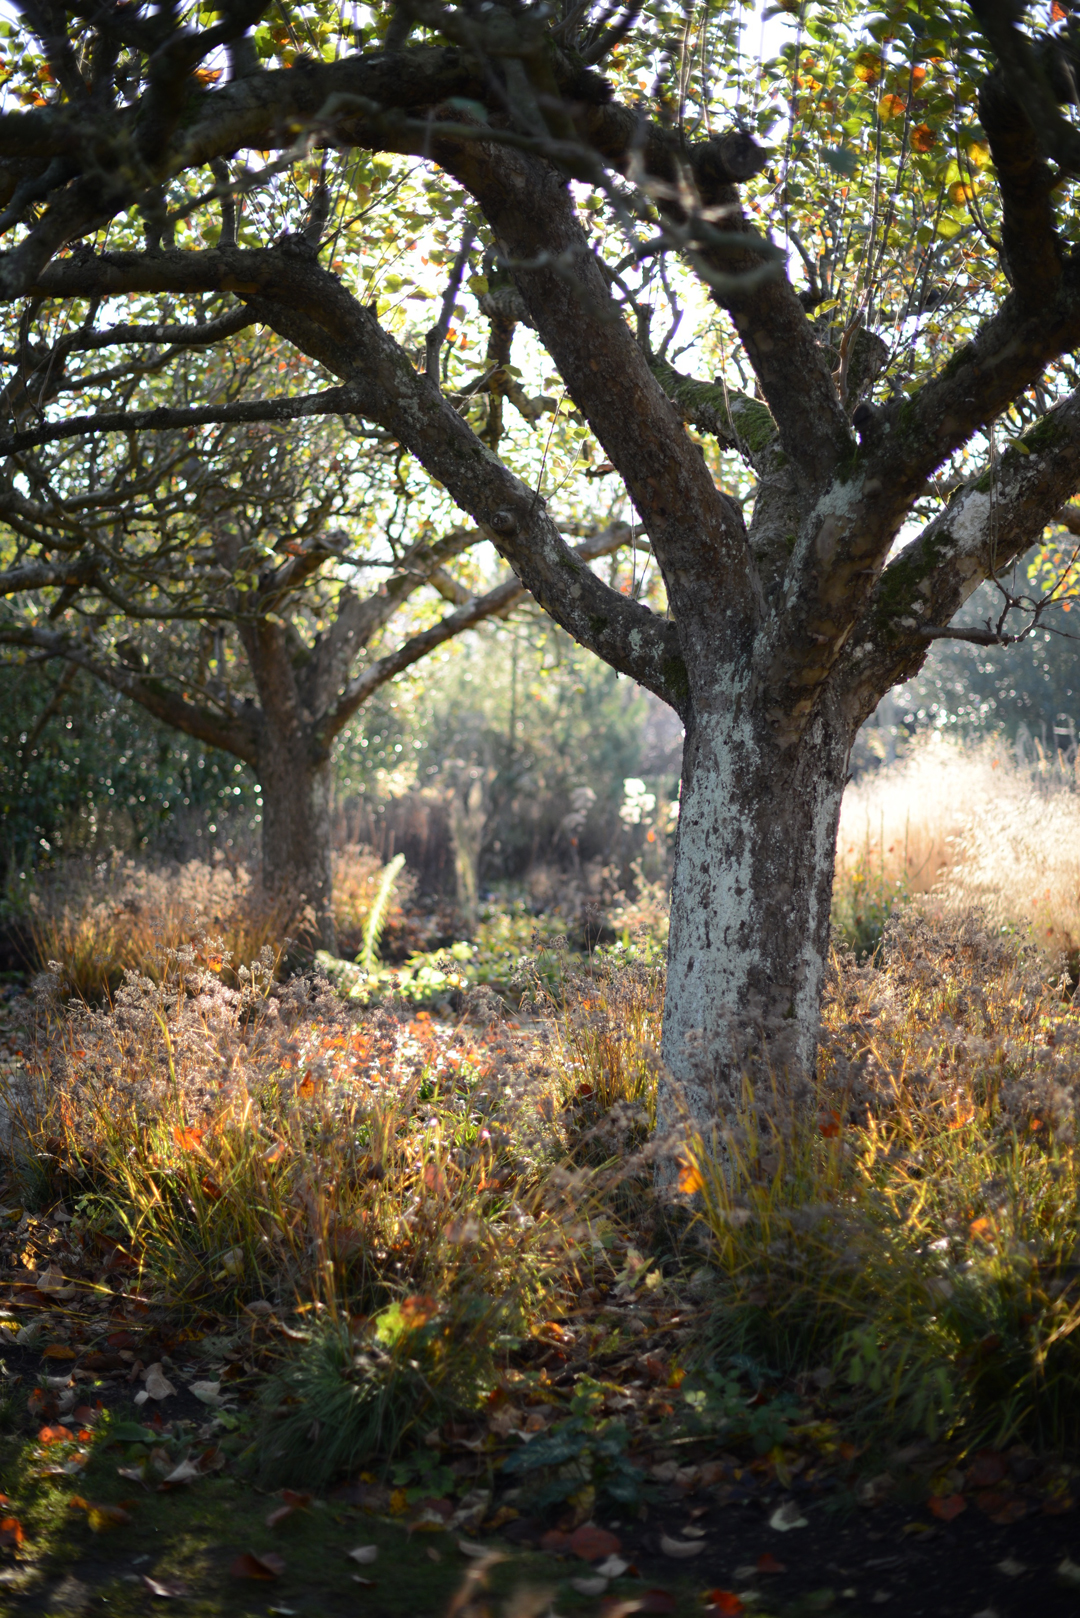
[(717, 1406), (582, 1451), (356, 1396)]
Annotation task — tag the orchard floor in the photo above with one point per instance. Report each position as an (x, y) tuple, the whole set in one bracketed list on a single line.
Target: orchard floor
[(102, 1529)]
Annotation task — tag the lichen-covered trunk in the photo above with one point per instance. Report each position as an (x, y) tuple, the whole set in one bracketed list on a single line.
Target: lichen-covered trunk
[(750, 901), (296, 841)]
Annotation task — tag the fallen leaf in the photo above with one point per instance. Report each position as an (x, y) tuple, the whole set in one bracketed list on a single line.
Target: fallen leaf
[(470, 1548), (592, 1543), (167, 1589), (364, 1554), (58, 1351), (52, 1282), (1011, 1568), (158, 1385), (724, 1601), (55, 1435), (1068, 1573), (555, 1541), (681, 1548), (987, 1469), (102, 1518), (947, 1506), (267, 1565), (186, 1472), (12, 1532), (259, 1306), (592, 1586), (767, 1563), (208, 1393), (613, 1567), (786, 1517), (291, 1501)]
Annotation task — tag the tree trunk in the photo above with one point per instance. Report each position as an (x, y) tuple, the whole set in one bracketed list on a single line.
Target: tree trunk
[(750, 901), (296, 834)]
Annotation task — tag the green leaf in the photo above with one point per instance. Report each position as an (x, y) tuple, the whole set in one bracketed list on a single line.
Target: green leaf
[(129, 1432), (842, 160)]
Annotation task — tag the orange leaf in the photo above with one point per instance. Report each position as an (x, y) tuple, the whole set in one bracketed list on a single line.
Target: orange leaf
[(891, 106), (58, 1351), (55, 1435), (210, 1188), (922, 137), (980, 1227), (829, 1124), (767, 1563), (249, 1566), (723, 1601), (690, 1178), (12, 1532), (187, 1139), (418, 1310), (1058, 12), (948, 1506)]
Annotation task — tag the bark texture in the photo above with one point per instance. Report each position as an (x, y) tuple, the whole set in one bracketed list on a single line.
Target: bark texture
[(750, 905)]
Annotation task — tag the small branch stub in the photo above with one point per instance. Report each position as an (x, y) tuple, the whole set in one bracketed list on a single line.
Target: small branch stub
[(503, 522)]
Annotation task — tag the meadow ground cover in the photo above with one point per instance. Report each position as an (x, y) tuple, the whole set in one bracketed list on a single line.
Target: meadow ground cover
[(284, 1271)]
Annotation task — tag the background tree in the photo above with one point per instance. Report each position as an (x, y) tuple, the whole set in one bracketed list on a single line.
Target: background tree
[(906, 335), (239, 591)]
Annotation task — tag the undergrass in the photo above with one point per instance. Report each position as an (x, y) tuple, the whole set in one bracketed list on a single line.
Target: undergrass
[(194, 1536), (433, 1193), (914, 1239)]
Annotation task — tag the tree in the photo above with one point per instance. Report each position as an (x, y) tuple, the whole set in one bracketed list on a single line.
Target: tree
[(911, 194), (239, 592)]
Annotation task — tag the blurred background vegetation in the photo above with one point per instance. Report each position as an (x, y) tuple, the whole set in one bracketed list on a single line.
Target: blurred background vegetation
[(520, 776)]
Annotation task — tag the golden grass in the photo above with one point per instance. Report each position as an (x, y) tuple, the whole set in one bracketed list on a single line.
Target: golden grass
[(969, 826), (98, 919), (911, 1234)]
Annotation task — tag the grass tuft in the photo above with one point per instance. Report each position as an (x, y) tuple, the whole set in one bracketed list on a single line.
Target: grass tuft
[(912, 1237)]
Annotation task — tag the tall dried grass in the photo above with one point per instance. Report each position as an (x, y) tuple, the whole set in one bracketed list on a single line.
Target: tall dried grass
[(970, 826), (101, 918), (271, 1142)]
